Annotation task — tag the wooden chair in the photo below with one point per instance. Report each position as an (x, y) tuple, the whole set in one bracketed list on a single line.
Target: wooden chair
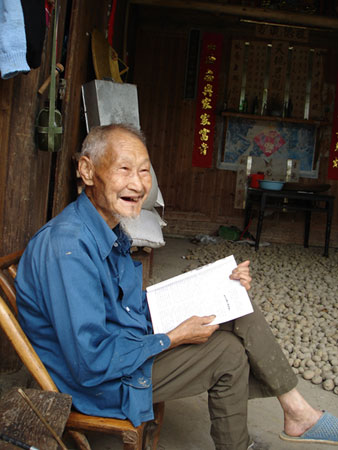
[(134, 438)]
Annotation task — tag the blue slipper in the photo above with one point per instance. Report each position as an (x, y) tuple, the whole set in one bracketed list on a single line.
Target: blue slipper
[(325, 431)]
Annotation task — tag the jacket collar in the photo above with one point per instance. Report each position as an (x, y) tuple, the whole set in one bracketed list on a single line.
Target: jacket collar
[(103, 235)]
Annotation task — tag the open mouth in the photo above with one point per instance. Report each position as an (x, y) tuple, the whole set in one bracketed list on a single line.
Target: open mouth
[(131, 199)]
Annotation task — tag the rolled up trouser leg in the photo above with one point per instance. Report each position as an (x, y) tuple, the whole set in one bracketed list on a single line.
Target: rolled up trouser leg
[(219, 367)]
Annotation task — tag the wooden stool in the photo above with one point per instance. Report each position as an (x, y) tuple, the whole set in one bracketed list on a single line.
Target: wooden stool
[(20, 422)]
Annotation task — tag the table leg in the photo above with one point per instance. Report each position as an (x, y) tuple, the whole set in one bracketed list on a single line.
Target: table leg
[(248, 210), (307, 228), (260, 221), (329, 207)]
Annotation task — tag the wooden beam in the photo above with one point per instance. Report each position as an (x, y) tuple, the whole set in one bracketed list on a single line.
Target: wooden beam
[(245, 12)]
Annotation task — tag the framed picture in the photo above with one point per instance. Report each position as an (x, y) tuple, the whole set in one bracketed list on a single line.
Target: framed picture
[(269, 140)]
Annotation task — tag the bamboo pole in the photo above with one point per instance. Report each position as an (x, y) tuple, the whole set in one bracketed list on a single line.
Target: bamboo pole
[(43, 420)]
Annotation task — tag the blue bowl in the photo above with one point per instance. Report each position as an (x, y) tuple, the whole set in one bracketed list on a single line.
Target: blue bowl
[(271, 185)]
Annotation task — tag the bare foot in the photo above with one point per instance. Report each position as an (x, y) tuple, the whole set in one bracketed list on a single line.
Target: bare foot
[(299, 416)]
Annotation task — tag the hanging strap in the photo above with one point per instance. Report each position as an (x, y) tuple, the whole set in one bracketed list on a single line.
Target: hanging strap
[(52, 128)]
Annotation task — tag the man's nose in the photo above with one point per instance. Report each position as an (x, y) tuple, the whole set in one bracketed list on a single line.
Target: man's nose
[(135, 181)]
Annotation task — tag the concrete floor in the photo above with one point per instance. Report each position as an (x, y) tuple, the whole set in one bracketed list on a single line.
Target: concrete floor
[(186, 423)]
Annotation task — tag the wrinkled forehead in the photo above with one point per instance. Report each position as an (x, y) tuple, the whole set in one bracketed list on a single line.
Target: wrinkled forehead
[(123, 145)]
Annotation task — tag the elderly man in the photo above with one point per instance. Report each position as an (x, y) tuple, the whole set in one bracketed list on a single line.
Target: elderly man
[(81, 303)]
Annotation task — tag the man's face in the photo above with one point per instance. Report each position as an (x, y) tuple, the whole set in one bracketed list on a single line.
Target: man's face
[(121, 179)]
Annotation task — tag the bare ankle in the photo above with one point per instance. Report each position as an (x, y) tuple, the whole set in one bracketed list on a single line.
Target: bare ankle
[(299, 416)]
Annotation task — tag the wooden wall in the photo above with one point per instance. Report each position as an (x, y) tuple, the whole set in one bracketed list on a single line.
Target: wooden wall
[(79, 70), (36, 185), (199, 200), (168, 122), (24, 171)]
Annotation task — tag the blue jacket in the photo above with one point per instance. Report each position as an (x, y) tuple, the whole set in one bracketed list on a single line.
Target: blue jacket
[(80, 301)]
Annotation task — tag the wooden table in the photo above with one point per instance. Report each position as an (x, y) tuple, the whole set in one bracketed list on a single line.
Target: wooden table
[(289, 200), (17, 420)]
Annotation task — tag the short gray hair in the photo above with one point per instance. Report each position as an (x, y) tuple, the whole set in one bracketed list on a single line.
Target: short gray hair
[(97, 140)]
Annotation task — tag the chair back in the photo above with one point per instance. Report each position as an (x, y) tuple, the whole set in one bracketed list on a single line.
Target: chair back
[(8, 267), (77, 423), (24, 348), (12, 328)]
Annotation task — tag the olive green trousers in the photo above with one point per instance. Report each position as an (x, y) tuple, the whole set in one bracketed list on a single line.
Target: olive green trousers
[(241, 360)]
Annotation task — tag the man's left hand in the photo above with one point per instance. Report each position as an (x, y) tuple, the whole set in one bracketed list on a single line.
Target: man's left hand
[(242, 273)]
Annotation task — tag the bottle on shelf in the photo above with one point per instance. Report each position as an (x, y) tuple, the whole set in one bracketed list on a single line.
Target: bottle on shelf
[(245, 104), (243, 107), (255, 106), (290, 108), (285, 109)]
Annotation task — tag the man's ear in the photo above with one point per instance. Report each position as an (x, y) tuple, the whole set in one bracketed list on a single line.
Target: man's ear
[(86, 170)]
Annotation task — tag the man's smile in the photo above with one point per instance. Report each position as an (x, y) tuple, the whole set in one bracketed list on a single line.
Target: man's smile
[(132, 199)]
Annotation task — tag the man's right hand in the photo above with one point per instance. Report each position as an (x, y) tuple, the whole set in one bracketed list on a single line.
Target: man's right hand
[(192, 331)]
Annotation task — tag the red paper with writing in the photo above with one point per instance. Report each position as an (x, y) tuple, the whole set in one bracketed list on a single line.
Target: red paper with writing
[(210, 61), (333, 160)]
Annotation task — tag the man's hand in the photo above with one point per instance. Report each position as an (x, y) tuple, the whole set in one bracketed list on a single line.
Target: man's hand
[(192, 331), (242, 273)]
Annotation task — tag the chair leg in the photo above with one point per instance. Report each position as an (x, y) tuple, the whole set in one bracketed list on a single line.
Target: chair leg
[(152, 429), (159, 415), (80, 440), (132, 440)]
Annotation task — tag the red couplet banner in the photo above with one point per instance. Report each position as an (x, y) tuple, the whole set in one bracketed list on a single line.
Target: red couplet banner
[(333, 160), (210, 61)]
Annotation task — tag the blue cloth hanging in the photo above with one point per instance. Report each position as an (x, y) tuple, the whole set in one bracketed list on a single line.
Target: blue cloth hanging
[(13, 45)]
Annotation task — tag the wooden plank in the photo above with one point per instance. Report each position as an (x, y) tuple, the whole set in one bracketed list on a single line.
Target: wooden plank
[(78, 70), (19, 421), (298, 80), (6, 93), (19, 222), (8, 357), (277, 76), (235, 75), (277, 119), (255, 74), (246, 11), (317, 84)]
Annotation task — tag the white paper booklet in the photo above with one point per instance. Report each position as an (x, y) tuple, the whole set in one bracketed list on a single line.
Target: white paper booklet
[(200, 292)]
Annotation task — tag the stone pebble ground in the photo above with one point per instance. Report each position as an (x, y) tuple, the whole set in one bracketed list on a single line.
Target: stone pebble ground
[(297, 290)]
